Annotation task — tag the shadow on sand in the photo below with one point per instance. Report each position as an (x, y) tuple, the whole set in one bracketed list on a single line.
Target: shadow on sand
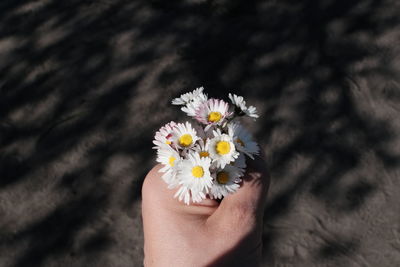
[(85, 84)]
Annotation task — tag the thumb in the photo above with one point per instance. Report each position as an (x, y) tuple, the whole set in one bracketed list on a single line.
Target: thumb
[(248, 203)]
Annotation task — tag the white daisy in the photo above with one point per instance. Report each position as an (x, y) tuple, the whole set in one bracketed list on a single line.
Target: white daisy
[(191, 107), (243, 140), (226, 181), (184, 99), (195, 178), (240, 104), (191, 101), (184, 136), (164, 135), (212, 112), (171, 160), (183, 193), (202, 148), (222, 149)]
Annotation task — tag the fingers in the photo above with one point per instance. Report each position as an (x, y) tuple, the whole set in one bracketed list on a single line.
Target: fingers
[(246, 205), (164, 217), (155, 193), (168, 224)]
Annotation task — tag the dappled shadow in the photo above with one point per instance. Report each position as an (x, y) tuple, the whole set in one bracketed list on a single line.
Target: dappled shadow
[(85, 84), (56, 232), (317, 66), (69, 127)]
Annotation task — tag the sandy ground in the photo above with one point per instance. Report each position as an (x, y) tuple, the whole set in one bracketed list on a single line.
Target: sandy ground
[(84, 85)]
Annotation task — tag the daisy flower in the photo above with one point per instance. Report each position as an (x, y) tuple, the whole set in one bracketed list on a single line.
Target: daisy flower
[(195, 178), (226, 180), (189, 97), (191, 107), (202, 148), (243, 140), (191, 101), (212, 112), (164, 135), (184, 136), (222, 149), (241, 107), (171, 160), (207, 157)]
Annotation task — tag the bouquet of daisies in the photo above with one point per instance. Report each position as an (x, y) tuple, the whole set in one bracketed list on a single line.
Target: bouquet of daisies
[(208, 156)]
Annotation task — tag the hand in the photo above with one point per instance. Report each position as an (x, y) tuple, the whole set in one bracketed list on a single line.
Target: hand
[(207, 233)]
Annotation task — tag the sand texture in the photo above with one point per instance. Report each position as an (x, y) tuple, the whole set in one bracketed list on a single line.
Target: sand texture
[(85, 84)]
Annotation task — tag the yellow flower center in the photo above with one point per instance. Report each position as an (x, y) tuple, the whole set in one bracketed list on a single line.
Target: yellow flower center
[(172, 161), (214, 116), (185, 140), (197, 171), (240, 142), (223, 147), (222, 177), (204, 154)]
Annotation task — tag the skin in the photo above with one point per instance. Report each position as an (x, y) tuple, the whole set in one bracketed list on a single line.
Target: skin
[(207, 233)]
